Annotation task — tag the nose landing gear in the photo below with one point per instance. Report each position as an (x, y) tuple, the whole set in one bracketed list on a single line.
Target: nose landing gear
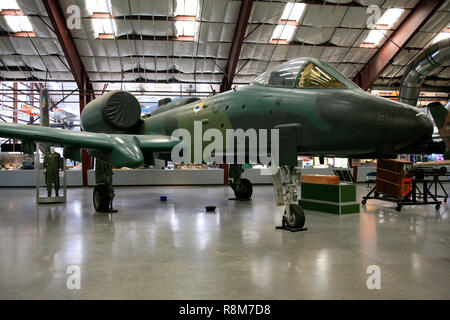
[(286, 193)]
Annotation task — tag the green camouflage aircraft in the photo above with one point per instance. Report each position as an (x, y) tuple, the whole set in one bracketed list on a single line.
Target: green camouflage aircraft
[(316, 110)]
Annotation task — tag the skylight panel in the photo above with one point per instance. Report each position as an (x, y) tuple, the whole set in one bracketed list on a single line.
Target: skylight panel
[(390, 17), (19, 23), (98, 6), (186, 7), (103, 26), (374, 37), (101, 18), (293, 11), (387, 21), (9, 5), (185, 28), (283, 32)]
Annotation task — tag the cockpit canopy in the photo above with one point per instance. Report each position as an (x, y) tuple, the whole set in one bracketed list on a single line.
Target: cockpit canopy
[(303, 73)]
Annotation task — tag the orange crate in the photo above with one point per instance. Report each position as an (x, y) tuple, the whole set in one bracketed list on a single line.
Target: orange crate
[(390, 176), (394, 190), (320, 179), (400, 167)]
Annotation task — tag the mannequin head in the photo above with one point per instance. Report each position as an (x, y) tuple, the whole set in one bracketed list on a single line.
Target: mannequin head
[(52, 149)]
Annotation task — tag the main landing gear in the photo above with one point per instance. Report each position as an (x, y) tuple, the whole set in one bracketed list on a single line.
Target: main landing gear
[(286, 193), (242, 188), (102, 199), (103, 192)]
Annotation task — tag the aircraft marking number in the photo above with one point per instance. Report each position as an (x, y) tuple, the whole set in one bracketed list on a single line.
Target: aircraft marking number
[(382, 118)]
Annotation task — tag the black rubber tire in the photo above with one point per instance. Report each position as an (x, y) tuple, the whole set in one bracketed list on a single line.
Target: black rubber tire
[(100, 198), (244, 191), (363, 202), (297, 217), (398, 208), (438, 206)]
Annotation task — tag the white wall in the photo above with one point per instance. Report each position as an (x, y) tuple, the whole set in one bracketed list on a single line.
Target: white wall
[(27, 178)]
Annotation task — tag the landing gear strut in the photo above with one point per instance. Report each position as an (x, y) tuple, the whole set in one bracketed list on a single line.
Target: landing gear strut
[(242, 188), (286, 193)]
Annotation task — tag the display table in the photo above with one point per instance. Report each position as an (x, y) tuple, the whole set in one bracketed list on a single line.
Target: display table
[(330, 198)]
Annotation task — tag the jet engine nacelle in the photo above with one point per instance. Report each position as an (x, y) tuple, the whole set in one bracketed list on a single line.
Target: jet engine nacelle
[(114, 112)]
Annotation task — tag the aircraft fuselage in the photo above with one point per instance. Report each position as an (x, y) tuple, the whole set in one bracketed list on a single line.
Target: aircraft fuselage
[(333, 121)]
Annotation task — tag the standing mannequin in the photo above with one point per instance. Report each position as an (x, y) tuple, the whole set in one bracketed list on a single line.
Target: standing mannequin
[(52, 164)]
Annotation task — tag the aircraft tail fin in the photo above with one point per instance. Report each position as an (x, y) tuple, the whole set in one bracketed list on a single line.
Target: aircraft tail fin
[(441, 118)]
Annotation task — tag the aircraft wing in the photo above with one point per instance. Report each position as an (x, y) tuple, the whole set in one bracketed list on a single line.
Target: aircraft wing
[(120, 150)]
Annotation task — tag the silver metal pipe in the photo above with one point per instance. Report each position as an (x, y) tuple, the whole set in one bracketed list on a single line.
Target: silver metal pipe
[(431, 58)]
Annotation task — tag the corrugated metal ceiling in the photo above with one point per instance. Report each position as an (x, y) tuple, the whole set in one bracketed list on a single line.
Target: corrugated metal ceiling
[(144, 49)]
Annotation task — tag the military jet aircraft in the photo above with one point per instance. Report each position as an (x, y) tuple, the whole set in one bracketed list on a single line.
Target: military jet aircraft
[(317, 111)]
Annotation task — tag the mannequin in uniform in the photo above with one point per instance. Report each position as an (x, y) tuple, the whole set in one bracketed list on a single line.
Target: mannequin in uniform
[(52, 164)]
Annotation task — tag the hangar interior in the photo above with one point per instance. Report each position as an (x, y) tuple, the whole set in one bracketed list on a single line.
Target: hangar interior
[(80, 50)]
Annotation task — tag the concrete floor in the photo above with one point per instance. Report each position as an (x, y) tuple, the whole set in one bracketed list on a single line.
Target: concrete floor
[(174, 250)]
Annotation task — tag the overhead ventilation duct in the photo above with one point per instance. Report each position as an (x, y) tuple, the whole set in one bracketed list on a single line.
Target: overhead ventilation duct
[(434, 56)]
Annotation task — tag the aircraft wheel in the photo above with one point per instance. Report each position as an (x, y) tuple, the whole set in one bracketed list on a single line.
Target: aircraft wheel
[(244, 190), (438, 206), (363, 202), (398, 208), (101, 198), (296, 219)]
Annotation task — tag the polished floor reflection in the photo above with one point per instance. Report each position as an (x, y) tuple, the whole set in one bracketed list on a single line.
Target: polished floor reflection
[(176, 250)]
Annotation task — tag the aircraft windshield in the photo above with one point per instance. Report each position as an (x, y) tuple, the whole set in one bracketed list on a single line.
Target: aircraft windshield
[(283, 75)]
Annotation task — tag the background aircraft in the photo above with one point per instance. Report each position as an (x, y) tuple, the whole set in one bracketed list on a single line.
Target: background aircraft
[(317, 110)]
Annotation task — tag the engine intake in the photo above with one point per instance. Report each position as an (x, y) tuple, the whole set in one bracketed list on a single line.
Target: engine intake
[(114, 112)]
